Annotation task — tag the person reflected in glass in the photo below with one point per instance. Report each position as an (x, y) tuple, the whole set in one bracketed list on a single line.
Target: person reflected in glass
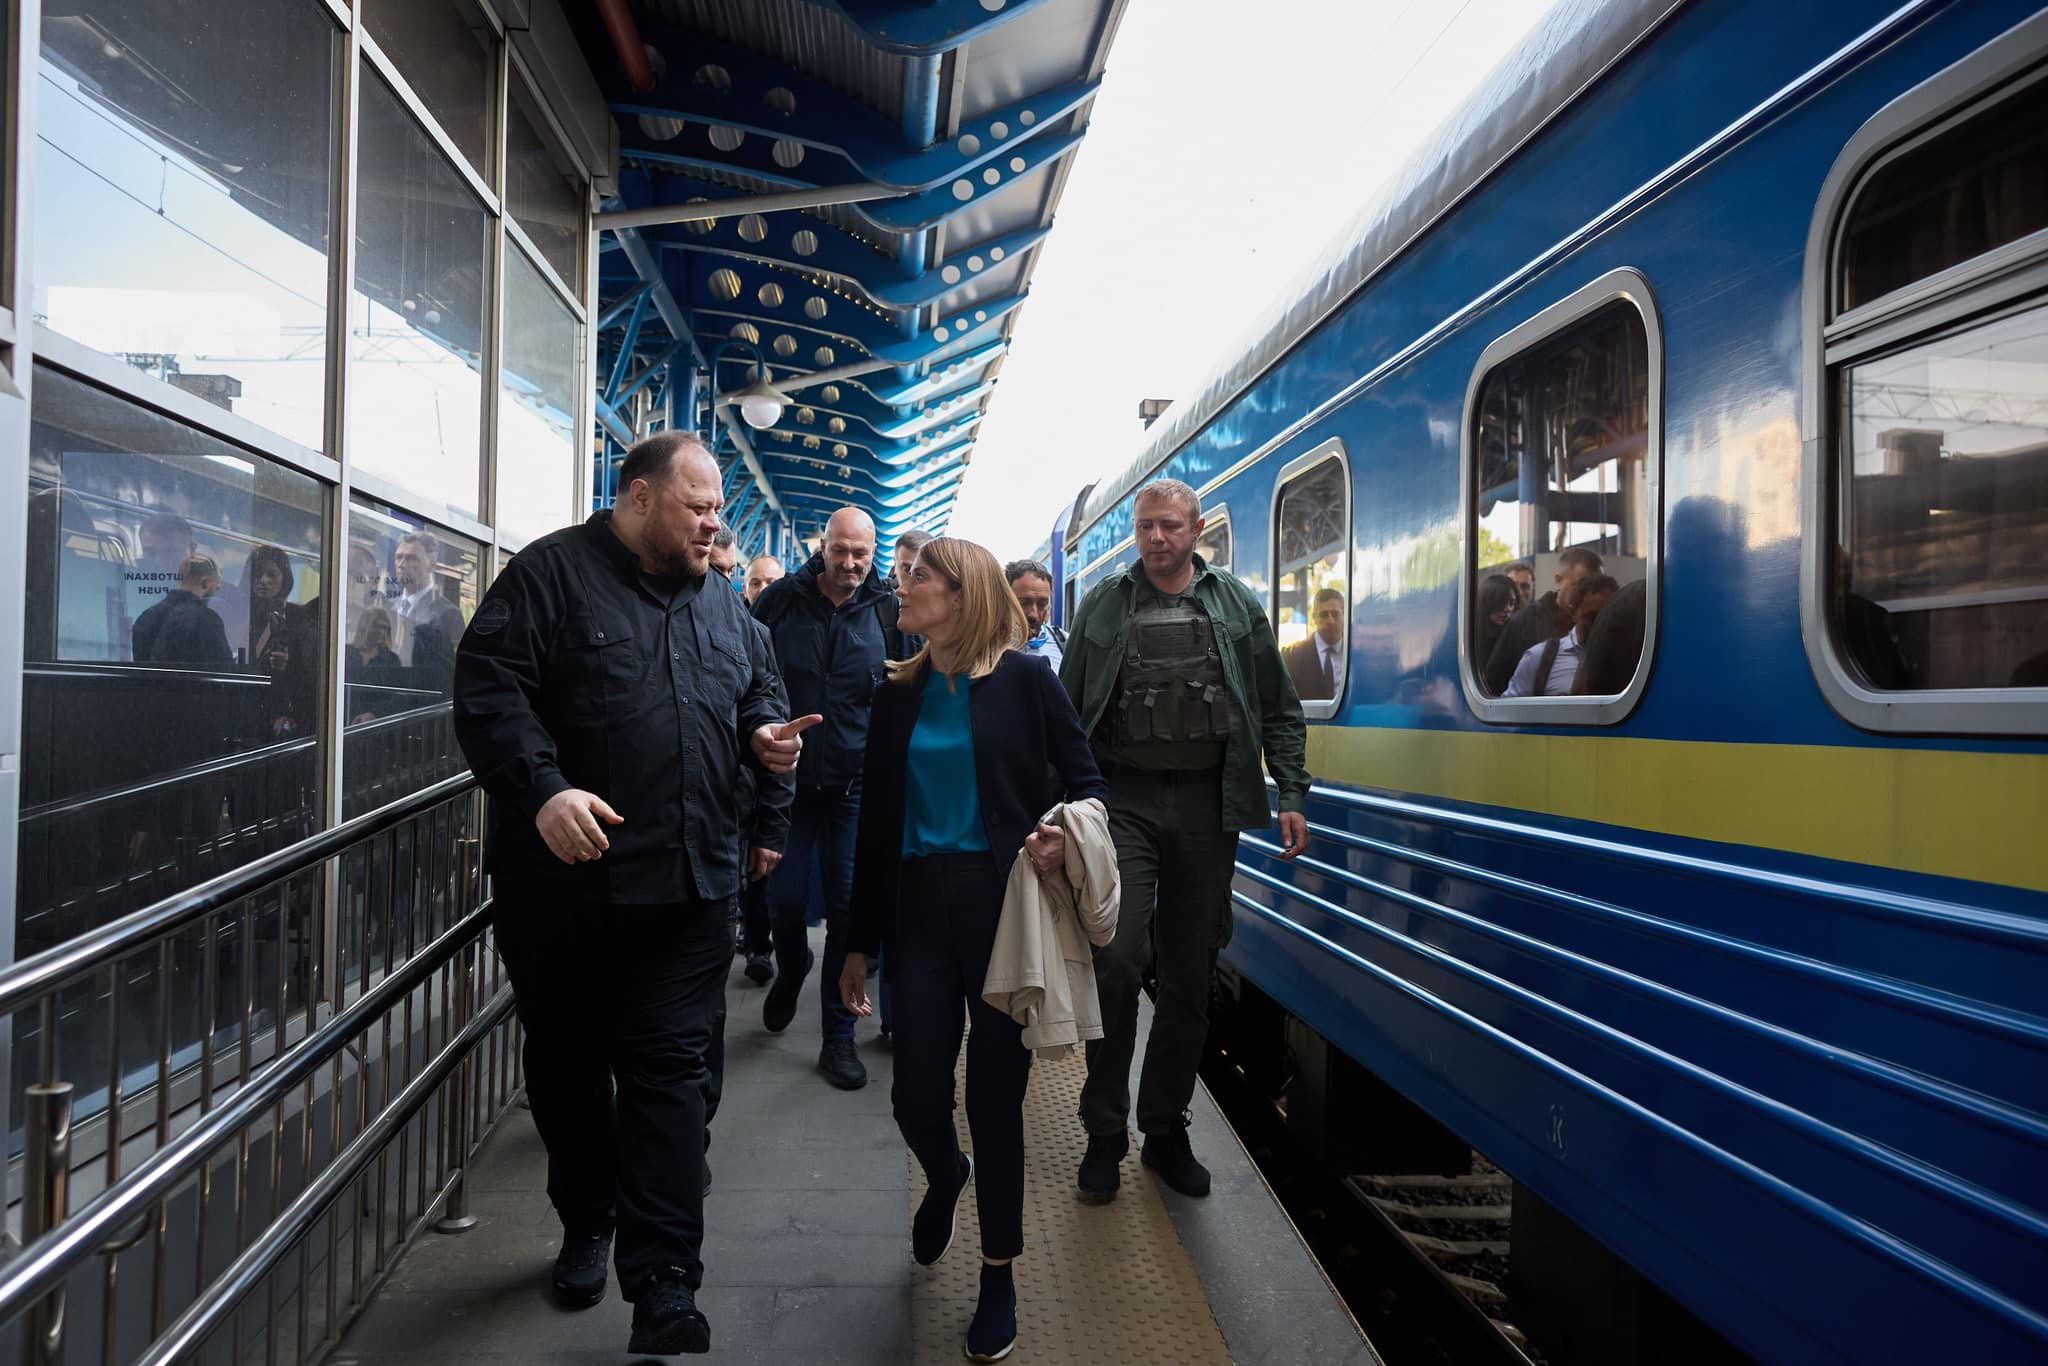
[(1539, 622), (1551, 669), (181, 628), (1523, 575), (428, 626), (275, 632), (969, 743), (1317, 663), (373, 667), (1498, 598)]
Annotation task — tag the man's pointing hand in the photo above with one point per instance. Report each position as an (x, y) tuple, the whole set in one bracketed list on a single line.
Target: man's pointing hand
[(779, 745)]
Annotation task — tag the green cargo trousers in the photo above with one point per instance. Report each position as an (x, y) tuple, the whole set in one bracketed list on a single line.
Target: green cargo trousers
[(1176, 862)]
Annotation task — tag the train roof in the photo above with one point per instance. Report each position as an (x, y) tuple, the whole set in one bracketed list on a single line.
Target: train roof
[(1567, 52)]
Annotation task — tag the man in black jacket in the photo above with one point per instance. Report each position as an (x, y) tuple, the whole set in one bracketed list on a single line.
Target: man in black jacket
[(829, 621), (181, 628), (608, 701)]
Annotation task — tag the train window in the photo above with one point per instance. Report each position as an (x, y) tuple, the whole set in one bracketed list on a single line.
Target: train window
[(1312, 575), (411, 590), (1953, 195), (1561, 473), (1926, 603), (1213, 545), (173, 647)]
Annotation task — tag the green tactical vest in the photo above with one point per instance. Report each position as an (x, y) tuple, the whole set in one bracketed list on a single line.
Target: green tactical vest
[(1170, 690)]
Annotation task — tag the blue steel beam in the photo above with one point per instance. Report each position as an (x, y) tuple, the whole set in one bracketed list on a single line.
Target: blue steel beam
[(838, 255), (777, 110)]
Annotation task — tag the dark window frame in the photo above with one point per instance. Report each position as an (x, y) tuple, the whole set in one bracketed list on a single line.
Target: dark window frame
[(1970, 292), (1219, 516), (1623, 285)]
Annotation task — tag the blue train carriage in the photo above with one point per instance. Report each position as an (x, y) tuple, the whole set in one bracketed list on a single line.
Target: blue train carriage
[(1735, 952)]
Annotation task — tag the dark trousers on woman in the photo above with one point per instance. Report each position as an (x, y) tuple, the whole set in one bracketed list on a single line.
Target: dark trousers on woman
[(945, 928), (620, 1004)]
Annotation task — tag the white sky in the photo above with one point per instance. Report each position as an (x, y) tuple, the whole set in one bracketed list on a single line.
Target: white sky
[(1221, 158)]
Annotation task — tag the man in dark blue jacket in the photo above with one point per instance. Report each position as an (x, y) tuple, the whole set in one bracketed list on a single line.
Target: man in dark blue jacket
[(829, 622)]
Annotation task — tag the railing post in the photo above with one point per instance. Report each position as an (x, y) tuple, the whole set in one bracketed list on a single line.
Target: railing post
[(47, 1170), (455, 1215)]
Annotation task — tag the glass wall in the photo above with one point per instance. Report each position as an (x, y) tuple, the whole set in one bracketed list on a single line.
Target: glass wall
[(543, 360), (448, 53), (543, 191), (190, 608), (184, 173), (416, 315), (412, 588), (194, 568)]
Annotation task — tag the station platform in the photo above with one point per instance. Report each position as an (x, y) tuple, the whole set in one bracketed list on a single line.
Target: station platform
[(807, 1245)]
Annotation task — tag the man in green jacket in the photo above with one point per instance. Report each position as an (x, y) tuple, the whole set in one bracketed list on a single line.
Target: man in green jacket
[(1181, 687)]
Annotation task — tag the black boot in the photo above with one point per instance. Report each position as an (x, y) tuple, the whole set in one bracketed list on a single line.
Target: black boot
[(666, 1320), (841, 1065), (579, 1267), (1173, 1158), (1102, 1168)]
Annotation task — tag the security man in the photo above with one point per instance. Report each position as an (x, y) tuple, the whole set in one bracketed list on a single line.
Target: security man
[(607, 702), (1180, 685)]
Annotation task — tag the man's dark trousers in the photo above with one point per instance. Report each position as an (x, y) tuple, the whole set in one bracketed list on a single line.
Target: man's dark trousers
[(822, 822), (1176, 862), (625, 995)]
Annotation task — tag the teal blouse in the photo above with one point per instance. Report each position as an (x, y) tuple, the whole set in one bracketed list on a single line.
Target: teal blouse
[(942, 805)]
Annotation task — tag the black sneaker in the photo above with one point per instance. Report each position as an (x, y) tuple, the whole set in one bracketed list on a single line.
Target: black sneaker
[(1102, 1168), (780, 1007), (760, 967), (992, 1333), (579, 1269), (841, 1065), (667, 1322), (1170, 1155), (938, 1218)]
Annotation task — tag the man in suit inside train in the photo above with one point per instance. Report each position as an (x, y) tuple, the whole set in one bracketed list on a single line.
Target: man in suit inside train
[(1543, 620), (1316, 663)]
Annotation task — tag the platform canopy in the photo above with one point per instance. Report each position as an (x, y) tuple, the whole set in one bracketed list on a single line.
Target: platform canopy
[(867, 186)]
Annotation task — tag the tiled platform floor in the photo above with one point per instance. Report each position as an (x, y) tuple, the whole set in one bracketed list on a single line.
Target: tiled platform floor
[(807, 1252)]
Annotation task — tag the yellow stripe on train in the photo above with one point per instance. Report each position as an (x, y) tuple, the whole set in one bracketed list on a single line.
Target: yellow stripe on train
[(1955, 814)]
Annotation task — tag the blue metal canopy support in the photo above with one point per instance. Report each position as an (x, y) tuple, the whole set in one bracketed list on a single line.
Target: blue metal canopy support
[(853, 193)]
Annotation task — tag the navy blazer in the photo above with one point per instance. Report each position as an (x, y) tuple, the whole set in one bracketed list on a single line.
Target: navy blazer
[(1029, 754)]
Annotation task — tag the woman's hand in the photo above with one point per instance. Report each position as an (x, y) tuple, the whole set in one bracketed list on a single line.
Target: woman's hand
[(853, 984), (1048, 849)]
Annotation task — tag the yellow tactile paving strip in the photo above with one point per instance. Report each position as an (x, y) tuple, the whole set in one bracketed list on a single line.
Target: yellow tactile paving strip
[(1097, 1284)]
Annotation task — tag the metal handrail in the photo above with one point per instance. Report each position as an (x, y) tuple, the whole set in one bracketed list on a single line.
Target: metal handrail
[(21, 983), (298, 1218), (41, 1266)]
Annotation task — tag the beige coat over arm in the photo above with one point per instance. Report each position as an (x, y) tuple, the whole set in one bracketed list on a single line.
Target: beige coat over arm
[(1041, 972)]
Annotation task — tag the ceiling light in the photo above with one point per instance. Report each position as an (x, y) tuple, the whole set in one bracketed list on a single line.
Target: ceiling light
[(761, 404)]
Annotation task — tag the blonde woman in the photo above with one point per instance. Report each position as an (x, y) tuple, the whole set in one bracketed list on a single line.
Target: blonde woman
[(963, 745)]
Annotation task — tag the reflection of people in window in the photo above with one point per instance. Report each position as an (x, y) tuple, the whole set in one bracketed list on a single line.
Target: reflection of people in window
[(181, 628), (372, 662), (429, 625), (1523, 576), (1615, 644), (1550, 669), (1497, 600), (1542, 620), (1316, 664), (268, 581)]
